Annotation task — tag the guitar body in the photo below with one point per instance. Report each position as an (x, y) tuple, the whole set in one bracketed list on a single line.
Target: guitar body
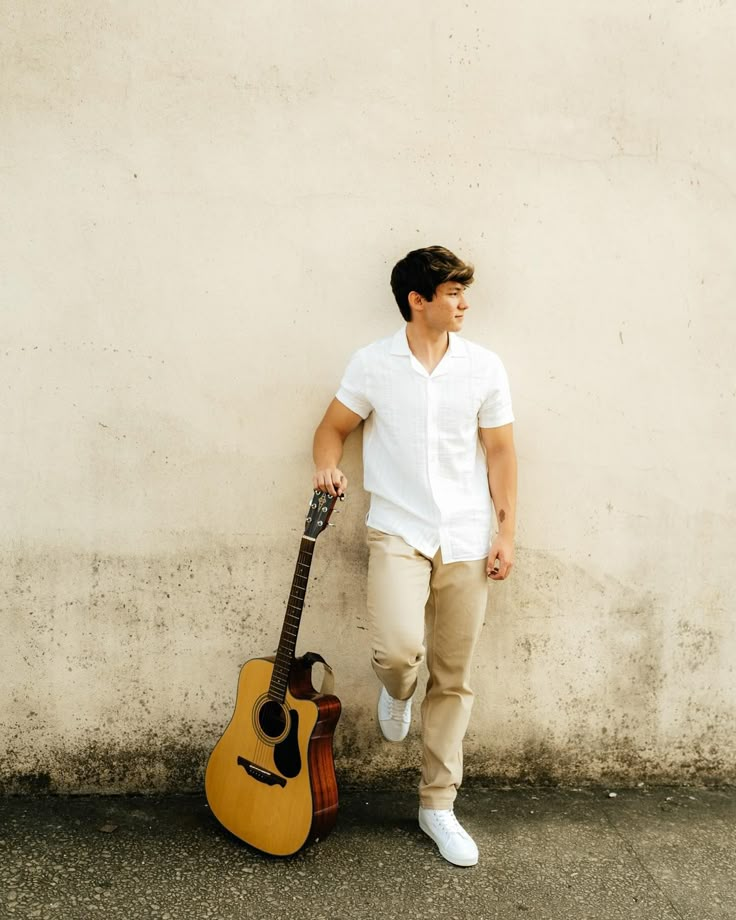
[(270, 779)]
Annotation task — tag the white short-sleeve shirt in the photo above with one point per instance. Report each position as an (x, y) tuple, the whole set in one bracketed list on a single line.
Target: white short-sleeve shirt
[(423, 460)]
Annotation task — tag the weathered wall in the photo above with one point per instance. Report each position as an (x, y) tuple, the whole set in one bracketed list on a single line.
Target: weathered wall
[(201, 205)]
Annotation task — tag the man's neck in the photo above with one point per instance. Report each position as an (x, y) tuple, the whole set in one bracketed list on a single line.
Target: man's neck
[(427, 346)]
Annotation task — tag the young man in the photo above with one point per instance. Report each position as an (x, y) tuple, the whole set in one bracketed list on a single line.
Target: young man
[(437, 444)]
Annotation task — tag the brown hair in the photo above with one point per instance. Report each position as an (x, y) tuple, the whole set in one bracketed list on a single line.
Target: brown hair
[(423, 270)]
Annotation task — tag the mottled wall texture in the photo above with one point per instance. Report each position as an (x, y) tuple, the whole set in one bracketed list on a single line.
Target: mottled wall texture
[(200, 205)]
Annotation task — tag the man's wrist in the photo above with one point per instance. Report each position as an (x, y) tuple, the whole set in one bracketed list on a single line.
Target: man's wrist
[(504, 535)]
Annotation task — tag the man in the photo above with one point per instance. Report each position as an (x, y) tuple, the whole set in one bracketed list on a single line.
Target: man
[(438, 443)]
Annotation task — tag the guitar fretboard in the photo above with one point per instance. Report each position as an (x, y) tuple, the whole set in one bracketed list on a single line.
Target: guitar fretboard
[(292, 619)]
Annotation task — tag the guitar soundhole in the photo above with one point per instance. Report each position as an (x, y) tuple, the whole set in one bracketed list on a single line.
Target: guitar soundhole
[(272, 719)]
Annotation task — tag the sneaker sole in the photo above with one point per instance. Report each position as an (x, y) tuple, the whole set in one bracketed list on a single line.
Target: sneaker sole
[(392, 740)]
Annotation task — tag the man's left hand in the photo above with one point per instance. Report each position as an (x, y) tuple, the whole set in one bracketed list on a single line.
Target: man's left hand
[(500, 558)]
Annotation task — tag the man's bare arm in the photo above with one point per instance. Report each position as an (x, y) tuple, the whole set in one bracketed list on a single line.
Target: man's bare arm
[(329, 439), (501, 462)]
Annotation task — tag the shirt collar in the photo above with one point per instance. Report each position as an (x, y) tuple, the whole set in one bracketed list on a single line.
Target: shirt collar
[(400, 345), (458, 346)]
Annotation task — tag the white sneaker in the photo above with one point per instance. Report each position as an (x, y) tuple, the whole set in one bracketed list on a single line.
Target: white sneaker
[(394, 716), (453, 841)]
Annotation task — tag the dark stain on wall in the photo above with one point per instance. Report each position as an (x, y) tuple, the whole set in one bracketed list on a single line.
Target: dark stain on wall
[(140, 654), (155, 765)]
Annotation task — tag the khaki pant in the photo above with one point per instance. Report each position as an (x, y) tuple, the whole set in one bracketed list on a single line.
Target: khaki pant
[(411, 597)]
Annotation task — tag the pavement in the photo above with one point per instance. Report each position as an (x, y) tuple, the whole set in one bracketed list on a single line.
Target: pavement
[(548, 853)]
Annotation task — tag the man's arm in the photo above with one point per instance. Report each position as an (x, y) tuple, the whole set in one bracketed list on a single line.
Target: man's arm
[(329, 439), (501, 462)]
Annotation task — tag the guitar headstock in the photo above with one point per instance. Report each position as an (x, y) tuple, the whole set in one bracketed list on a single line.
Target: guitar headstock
[(320, 508)]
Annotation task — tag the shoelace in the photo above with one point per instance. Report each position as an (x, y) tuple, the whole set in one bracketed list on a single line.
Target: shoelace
[(449, 822), (398, 708)]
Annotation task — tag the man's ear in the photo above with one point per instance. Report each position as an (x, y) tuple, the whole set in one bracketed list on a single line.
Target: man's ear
[(416, 301)]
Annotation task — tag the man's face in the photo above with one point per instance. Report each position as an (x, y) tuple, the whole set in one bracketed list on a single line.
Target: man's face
[(446, 311)]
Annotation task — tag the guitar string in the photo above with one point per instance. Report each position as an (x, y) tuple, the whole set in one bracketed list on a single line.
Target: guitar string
[(304, 559)]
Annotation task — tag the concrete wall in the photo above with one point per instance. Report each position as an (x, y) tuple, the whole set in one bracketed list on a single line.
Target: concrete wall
[(200, 208)]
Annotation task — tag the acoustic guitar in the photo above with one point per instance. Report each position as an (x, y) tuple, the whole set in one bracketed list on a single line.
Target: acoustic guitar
[(270, 779)]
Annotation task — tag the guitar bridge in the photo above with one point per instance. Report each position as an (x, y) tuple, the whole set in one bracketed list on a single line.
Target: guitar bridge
[(261, 773)]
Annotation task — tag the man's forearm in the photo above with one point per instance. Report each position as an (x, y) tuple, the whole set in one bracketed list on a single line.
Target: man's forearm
[(329, 438), (327, 448), (502, 483)]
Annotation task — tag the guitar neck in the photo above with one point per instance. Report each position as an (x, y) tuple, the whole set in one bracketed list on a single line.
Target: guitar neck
[(292, 619)]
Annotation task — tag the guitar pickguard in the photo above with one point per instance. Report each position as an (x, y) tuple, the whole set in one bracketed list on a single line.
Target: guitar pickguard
[(286, 754)]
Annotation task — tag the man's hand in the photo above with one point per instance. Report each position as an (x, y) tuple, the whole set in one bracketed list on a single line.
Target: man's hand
[(330, 480), (500, 558)]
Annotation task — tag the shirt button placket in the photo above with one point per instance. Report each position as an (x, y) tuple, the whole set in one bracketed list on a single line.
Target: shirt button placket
[(433, 444)]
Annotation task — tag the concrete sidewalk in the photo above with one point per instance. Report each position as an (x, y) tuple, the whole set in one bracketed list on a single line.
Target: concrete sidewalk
[(547, 853)]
